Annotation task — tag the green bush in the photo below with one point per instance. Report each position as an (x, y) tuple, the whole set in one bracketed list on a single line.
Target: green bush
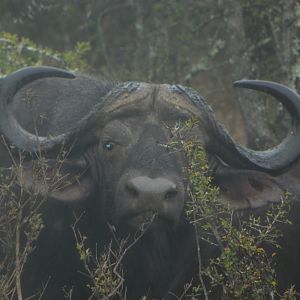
[(16, 53), (243, 269)]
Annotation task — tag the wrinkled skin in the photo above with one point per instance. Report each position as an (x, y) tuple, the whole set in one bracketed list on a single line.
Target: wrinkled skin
[(122, 175)]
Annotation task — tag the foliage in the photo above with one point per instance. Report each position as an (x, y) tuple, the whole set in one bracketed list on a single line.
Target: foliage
[(18, 217), (149, 40), (270, 36), (16, 53), (271, 45), (243, 268), (105, 271), (21, 220), (164, 40)]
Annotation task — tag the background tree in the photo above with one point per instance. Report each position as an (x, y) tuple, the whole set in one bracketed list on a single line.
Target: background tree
[(204, 44)]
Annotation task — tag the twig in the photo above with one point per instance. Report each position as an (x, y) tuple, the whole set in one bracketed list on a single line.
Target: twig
[(18, 262)]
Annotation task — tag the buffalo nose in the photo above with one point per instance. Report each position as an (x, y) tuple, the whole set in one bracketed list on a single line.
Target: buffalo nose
[(144, 187)]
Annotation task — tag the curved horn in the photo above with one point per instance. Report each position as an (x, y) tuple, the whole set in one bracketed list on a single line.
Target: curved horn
[(9, 126), (279, 157)]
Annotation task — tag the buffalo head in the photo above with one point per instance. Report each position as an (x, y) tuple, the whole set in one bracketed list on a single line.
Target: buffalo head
[(123, 172)]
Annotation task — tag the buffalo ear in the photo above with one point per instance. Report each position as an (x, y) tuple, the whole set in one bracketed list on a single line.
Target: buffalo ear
[(68, 181), (247, 189)]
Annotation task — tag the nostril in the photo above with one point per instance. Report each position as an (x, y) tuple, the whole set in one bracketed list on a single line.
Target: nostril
[(131, 190), (143, 187), (170, 194)]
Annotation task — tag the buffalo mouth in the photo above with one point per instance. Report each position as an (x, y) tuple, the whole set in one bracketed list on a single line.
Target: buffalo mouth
[(140, 219)]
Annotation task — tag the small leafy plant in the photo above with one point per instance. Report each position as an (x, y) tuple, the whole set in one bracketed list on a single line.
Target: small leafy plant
[(21, 221), (16, 53)]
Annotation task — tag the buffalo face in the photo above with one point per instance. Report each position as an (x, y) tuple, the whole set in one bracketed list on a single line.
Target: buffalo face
[(145, 177), (142, 176)]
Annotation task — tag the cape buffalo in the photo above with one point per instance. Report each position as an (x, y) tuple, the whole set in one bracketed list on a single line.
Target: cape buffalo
[(123, 175)]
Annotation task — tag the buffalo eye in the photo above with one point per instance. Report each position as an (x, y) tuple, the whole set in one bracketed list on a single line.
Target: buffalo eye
[(108, 146)]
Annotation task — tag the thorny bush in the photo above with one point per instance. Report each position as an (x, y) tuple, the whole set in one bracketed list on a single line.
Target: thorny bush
[(239, 240)]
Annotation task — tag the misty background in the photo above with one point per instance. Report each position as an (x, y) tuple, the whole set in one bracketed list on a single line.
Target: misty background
[(204, 44)]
